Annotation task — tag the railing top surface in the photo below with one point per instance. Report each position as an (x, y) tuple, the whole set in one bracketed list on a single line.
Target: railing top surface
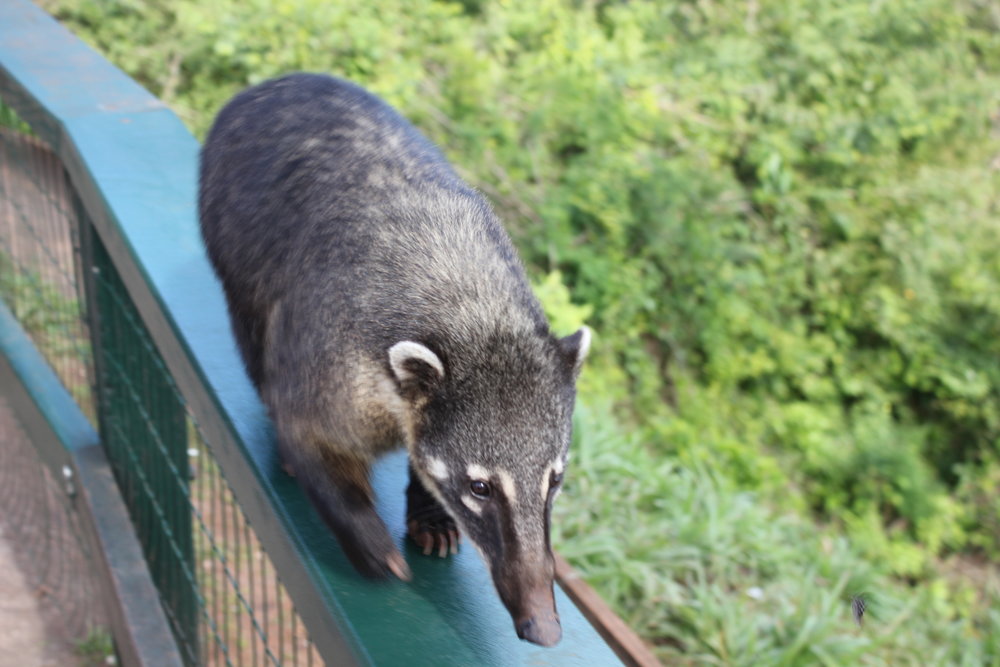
[(135, 167)]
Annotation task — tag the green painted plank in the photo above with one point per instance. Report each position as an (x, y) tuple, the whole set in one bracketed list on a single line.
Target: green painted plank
[(135, 167)]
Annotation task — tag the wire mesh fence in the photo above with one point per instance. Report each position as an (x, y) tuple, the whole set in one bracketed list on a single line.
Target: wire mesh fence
[(39, 278), (221, 593), (48, 580)]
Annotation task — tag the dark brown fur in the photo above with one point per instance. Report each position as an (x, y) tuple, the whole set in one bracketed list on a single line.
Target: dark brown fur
[(377, 301)]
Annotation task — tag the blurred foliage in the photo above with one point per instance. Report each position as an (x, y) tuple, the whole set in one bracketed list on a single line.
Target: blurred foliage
[(780, 218), (721, 578)]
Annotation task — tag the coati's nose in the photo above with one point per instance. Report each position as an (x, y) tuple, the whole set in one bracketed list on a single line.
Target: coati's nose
[(544, 629)]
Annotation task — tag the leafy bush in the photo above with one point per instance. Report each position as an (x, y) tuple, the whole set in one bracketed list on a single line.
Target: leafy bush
[(719, 577), (779, 218)]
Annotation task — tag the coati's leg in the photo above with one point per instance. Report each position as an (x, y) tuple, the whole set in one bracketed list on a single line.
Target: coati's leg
[(339, 488), (336, 480), (427, 523)]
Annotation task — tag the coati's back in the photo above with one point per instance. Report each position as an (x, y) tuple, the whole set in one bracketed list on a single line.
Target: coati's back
[(376, 301), (320, 191)]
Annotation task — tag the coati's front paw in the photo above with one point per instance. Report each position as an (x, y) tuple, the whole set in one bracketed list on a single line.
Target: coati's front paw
[(381, 564), (397, 565), (433, 530), (427, 522), (371, 550)]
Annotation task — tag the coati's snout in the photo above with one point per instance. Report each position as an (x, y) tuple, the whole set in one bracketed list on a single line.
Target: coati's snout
[(508, 520), (542, 628), (532, 604)]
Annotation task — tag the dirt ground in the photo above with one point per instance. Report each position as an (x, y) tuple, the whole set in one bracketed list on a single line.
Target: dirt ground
[(47, 604), (38, 625), (24, 636)]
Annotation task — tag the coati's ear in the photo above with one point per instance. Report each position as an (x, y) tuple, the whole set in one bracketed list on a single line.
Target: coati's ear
[(415, 366), (575, 347)]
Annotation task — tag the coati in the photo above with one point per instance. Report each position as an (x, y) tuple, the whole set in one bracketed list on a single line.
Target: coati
[(377, 301)]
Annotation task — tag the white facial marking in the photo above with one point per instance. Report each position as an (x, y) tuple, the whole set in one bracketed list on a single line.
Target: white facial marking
[(507, 484), (470, 502), (476, 471), (437, 469), (558, 466)]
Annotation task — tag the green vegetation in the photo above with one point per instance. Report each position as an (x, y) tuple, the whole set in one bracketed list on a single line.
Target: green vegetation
[(10, 119), (52, 320), (96, 649), (781, 220)]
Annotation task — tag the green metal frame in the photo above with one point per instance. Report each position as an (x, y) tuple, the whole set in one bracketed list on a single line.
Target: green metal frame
[(155, 482), (134, 165)]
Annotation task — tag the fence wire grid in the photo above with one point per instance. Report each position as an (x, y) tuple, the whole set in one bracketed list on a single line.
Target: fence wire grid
[(52, 563), (224, 600)]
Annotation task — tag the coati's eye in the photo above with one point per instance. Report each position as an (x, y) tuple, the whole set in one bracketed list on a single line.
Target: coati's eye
[(557, 478), (480, 489)]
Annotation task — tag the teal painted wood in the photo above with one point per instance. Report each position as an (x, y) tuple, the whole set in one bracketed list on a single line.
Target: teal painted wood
[(134, 165), (41, 386)]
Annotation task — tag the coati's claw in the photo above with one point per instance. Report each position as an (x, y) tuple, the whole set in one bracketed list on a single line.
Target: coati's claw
[(398, 565), (432, 535), (428, 524), (423, 539), (367, 544)]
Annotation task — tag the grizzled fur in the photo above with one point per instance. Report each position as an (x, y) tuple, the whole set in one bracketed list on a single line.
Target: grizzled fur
[(377, 301)]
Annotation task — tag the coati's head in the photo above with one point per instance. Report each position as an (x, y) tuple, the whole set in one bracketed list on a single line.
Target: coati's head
[(491, 429)]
